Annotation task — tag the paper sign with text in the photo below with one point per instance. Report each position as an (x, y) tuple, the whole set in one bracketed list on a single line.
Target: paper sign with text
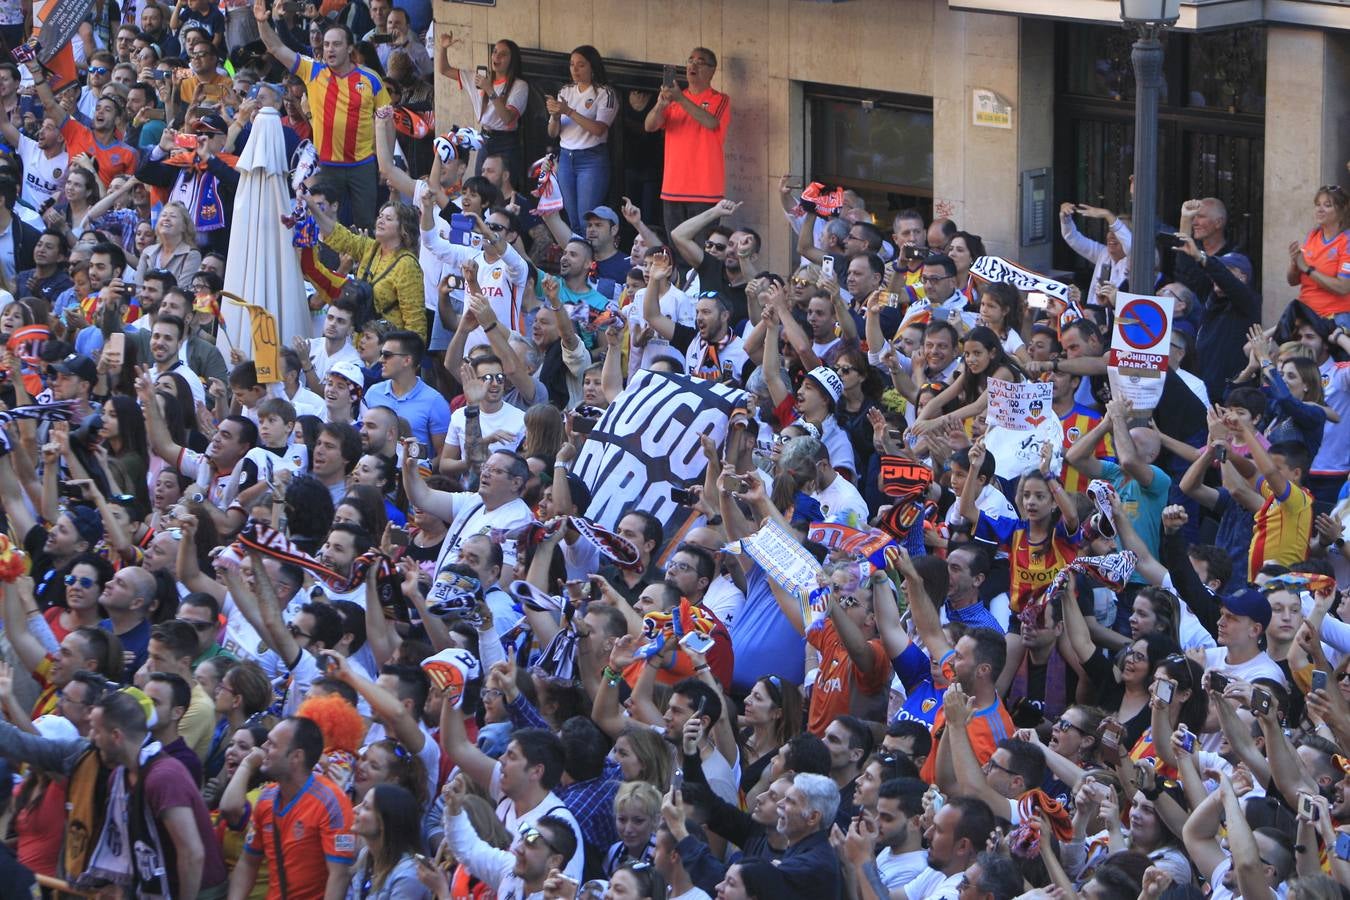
[(1141, 341), (1019, 405)]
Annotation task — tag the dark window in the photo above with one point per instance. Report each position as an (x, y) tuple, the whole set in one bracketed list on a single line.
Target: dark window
[(879, 145), (635, 156), (1211, 128)]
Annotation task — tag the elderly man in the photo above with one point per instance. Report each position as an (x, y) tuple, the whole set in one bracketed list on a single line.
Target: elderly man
[(805, 815), (1206, 220)]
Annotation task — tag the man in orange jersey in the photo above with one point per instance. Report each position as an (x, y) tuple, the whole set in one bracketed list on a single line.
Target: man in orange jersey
[(302, 823), (695, 121), (343, 99)]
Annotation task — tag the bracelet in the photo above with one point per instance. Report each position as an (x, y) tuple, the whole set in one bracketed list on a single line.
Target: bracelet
[(1300, 848), (702, 668), (471, 412), (610, 675), (488, 328)]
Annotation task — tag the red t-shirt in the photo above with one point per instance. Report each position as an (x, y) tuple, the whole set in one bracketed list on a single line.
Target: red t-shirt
[(41, 830), (696, 170)]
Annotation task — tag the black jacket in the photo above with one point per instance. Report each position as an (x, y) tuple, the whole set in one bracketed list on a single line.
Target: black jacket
[(25, 238), (160, 174)]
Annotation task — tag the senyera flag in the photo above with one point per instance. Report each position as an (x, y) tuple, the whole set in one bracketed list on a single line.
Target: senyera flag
[(54, 25)]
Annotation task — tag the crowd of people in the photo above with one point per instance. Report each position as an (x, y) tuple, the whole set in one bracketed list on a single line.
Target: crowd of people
[(376, 630)]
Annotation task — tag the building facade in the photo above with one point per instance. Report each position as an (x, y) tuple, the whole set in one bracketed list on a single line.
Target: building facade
[(989, 111)]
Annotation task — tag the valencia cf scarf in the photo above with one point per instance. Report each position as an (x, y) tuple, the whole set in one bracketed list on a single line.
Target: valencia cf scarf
[(272, 542)]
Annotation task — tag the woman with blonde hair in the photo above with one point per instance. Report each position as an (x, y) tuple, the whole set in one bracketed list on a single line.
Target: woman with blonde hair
[(387, 261), (175, 247), (637, 812)]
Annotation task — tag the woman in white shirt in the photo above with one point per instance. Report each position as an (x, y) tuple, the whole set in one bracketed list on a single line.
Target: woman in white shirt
[(580, 117), (497, 101)]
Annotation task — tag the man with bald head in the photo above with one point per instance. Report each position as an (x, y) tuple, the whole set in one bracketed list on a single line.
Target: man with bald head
[(129, 599), (1142, 486), (379, 431)]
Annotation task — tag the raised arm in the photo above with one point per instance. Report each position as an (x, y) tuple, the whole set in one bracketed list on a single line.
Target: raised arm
[(27, 647), (398, 180), (275, 45), (455, 742), (926, 619), (969, 774), (633, 216), (21, 520), (1247, 863), (894, 637), (851, 636), (384, 705), (806, 243), (658, 275), (161, 442), (1118, 411), (684, 236)]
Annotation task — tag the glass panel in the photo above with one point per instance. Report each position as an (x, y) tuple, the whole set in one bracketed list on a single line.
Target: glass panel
[(1098, 63), (885, 146), (1229, 168), (1226, 71)]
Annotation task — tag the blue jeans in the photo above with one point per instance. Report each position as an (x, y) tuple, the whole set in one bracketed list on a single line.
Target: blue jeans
[(583, 178)]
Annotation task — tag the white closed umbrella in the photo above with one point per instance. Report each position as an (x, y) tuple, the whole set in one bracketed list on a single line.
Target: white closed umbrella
[(263, 267)]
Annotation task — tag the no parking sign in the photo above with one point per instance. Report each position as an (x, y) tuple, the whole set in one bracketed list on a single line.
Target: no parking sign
[(1141, 340)]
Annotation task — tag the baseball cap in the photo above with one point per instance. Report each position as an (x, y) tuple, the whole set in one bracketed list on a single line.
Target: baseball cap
[(1239, 262), (581, 495), (603, 212), (349, 370), (829, 382), (87, 522), (78, 365), (1186, 330), (56, 728), (1250, 603), (210, 124)]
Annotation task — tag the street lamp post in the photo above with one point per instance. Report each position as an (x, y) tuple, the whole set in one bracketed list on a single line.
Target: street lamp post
[(1150, 17)]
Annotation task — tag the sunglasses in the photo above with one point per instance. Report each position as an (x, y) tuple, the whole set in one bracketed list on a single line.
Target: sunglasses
[(532, 836), (99, 70), (800, 282), (495, 226), (200, 626), (492, 378), (296, 632), (1065, 725), (83, 581), (389, 354), (713, 245)]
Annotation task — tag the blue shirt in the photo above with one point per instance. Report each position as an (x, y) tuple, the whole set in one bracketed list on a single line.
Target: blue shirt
[(1144, 505), (426, 410), (764, 641), (924, 699), (976, 615)]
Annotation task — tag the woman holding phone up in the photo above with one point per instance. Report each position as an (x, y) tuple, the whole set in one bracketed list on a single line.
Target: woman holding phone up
[(498, 95)]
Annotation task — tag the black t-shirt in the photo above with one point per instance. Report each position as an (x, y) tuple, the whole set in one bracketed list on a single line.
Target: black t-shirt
[(48, 590), (712, 276)]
